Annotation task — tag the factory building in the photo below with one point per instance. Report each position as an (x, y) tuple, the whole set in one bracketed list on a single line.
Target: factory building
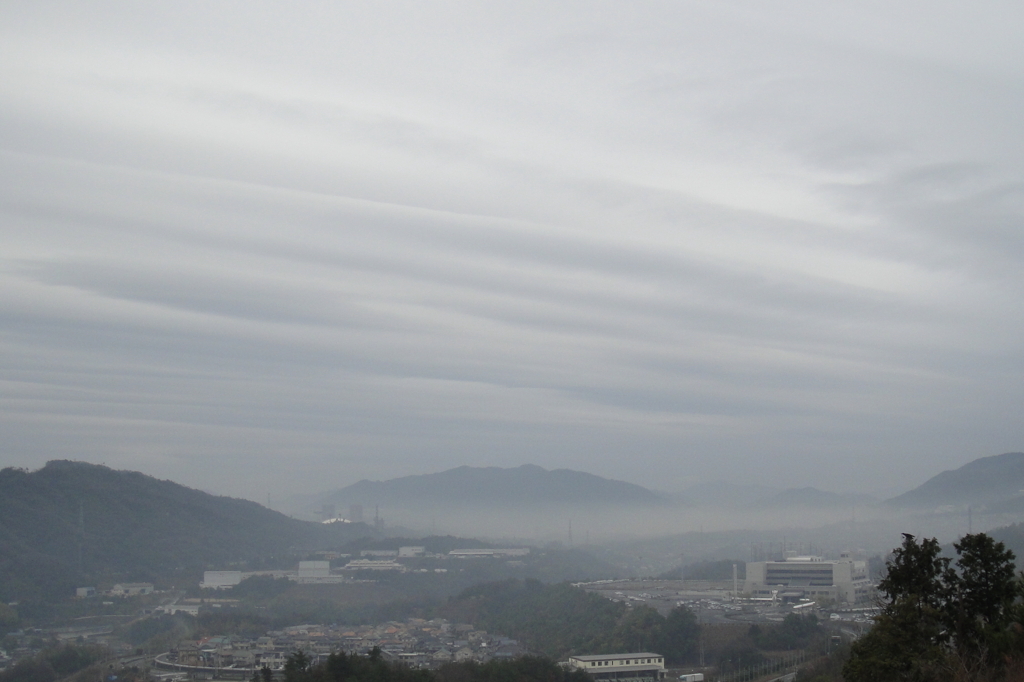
[(220, 580), (811, 577)]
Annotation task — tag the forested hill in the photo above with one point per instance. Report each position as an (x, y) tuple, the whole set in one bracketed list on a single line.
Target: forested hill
[(72, 523), (986, 480)]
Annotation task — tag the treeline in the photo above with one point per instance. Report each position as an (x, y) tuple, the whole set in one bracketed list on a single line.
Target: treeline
[(796, 632), (340, 667)]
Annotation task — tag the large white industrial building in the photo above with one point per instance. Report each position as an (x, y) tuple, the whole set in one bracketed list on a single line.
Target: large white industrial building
[(220, 580), (843, 580)]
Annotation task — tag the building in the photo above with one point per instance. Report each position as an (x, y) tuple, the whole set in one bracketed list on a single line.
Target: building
[(641, 667), (220, 580), (411, 551), (131, 589), (314, 569), (477, 553), (85, 592), (374, 565), (810, 577)]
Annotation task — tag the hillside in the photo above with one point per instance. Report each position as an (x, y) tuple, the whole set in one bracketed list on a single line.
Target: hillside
[(133, 527), (494, 487), (984, 481)]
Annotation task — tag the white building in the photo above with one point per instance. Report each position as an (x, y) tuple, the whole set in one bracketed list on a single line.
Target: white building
[(220, 580), (374, 565), (811, 577), (411, 551), (379, 552), (314, 569), (642, 667)]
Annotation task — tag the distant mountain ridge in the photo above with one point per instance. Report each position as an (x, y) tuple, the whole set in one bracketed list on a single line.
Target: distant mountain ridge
[(495, 487), (992, 480)]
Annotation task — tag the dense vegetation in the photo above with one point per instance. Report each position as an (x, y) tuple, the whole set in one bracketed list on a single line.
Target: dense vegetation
[(559, 620), (56, 662), (943, 619), (340, 667)]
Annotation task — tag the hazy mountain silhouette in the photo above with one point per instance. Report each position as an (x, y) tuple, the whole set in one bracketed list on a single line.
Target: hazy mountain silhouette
[(494, 487), (989, 480)]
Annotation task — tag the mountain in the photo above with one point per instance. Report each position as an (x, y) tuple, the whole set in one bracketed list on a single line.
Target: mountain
[(72, 523), (495, 488), (989, 480)]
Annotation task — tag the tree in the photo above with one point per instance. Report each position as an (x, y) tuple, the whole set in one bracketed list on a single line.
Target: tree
[(941, 621), (297, 666), (914, 573)]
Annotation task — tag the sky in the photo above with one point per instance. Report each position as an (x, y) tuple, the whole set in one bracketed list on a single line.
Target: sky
[(266, 248)]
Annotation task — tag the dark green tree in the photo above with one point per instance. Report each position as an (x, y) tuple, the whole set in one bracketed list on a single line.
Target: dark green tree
[(980, 597), (297, 667), (941, 621), (914, 574), (679, 636)]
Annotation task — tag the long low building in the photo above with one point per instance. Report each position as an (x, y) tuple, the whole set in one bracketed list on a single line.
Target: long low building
[(641, 667), (475, 553), (810, 577)]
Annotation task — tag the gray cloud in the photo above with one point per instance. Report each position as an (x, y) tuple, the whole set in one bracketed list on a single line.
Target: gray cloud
[(255, 250)]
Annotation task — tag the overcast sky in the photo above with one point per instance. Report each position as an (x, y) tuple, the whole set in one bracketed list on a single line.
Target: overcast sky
[(259, 247)]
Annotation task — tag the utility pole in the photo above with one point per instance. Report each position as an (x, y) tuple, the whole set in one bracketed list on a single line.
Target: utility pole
[(81, 535), (700, 630)]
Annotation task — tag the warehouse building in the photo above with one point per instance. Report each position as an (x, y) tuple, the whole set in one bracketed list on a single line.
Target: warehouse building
[(810, 577)]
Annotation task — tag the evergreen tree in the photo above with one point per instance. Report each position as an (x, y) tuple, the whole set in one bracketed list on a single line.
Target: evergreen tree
[(942, 621)]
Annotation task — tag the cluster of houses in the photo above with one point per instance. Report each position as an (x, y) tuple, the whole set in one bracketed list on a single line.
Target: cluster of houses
[(415, 642)]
